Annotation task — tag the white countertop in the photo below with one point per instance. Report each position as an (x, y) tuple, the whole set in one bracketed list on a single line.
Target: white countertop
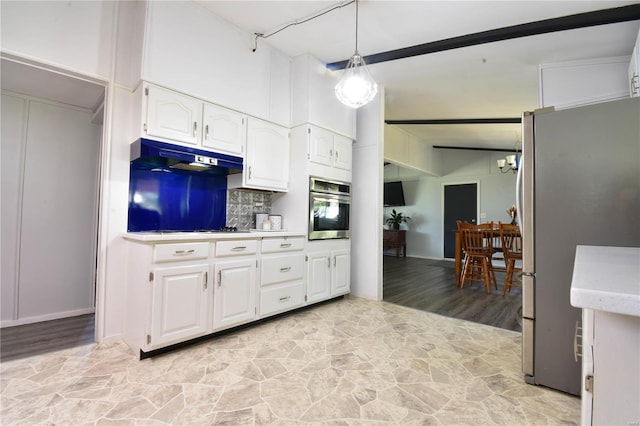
[(153, 237), (607, 279)]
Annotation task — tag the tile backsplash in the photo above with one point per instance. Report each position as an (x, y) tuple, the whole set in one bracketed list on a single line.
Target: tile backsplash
[(242, 206)]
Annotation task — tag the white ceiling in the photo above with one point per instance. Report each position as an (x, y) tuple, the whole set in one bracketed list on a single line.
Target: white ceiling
[(485, 81)]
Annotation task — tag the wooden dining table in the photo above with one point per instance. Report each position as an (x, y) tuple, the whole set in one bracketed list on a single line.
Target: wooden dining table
[(459, 252)]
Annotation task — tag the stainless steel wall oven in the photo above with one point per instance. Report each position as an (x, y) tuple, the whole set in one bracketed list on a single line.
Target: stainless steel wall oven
[(329, 209)]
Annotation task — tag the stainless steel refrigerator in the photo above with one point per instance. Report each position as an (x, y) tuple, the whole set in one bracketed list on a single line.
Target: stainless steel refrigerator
[(578, 183)]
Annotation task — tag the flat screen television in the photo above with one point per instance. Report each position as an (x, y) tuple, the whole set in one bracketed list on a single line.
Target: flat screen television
[(393, 194)]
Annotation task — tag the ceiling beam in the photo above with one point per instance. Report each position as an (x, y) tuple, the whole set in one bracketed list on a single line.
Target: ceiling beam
[(474, 148), (515, 120), (571, 22)]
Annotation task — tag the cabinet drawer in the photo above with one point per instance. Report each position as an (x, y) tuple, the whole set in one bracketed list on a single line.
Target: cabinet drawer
[(236, 247), (282, 268), (274, 245), (180, 251), (281, 298)]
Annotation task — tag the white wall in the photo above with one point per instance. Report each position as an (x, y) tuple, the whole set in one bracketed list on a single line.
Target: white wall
[(366, 205), (190, 49), (424, 198), (100, 41), (75, 35)]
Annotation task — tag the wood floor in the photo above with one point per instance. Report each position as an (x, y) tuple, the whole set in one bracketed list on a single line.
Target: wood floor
[(429, 285), (38, 338)]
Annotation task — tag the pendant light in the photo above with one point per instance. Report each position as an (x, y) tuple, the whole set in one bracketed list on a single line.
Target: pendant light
[(356, 87)]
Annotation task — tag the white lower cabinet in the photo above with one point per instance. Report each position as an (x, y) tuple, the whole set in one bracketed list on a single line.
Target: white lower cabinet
[(235, 288), (169, 294), (179, 307), (318, 276), (281, 275), (183, 290), (235, 293), (329, 274), (341, 273)]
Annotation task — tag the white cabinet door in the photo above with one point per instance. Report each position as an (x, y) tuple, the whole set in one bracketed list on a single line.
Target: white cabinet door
[(172, 115), (321, 146), (179, 308), (267, 157), (341, 274), (223, 130), (342, 152), (319, 276), (235, 293)]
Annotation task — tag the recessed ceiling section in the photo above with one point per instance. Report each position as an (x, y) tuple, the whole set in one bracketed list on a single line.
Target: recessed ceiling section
[(53, 86), (489, 136)]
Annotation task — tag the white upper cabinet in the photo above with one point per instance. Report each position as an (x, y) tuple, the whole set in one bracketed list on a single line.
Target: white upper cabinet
[(172, 115), (267, 158), (342, 149), (314, 99), (584, 82), (223, 130), (321, 146), (176, 117), (329, 154)]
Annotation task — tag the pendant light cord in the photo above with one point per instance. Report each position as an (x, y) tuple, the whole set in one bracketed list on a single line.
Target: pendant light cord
[(260, 35), (356, 27)]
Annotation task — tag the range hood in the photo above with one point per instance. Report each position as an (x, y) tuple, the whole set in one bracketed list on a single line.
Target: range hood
[(162, 154)]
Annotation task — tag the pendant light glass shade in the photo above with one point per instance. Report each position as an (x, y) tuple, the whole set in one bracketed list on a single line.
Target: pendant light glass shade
[(356, 87)]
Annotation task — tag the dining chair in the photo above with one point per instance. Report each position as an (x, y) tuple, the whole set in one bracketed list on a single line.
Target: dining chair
[(511, 239), (478, 244)]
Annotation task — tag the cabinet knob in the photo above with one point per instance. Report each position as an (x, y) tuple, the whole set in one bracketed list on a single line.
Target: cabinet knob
[(286, 269), (195, 129)]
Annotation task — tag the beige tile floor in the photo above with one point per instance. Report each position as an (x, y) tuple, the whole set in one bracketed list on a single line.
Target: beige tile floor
[(349, 362)]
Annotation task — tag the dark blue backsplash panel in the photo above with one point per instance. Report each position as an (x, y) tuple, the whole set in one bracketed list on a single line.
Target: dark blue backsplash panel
[(168, 199)]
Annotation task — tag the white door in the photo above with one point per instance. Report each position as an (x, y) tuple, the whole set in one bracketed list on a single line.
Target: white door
[(340, 282), (223, 130), (342, 147), (179, 307), (235, 293), (173, 116), (321, 146), (319, 276), (267, 156)]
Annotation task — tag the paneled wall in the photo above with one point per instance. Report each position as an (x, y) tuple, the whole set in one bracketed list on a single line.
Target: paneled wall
[(49, 209)]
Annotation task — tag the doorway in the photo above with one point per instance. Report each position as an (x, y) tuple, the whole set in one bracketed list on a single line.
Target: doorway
[(52, 124), (460, 203)]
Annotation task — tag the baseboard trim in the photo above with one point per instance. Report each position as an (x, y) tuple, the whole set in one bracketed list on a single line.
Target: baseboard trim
[(48, 317)]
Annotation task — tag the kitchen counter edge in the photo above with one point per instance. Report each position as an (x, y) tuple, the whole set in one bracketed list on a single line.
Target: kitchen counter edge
[(607, 279), (149, 237)]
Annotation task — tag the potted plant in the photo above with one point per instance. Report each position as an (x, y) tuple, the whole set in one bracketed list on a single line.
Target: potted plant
[(396, 219)]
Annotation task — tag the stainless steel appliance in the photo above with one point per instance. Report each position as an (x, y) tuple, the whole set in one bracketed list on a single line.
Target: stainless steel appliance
[(578, 183), (329, 209)]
